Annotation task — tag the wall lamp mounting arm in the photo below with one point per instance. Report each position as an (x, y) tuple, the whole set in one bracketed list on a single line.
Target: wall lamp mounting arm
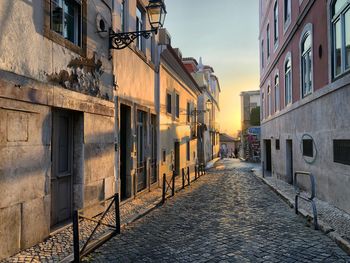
[(156, 15), (124, 39)]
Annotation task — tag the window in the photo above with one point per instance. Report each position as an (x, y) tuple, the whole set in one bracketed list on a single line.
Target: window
[(308, 148), (269, 100), (277, 93), (140, 15), (123, 15), (188, 112), (268, 40), (287, 12), (188, 151), (306, 64), (168, 103), (262, 54), (177, 105), (263, 106), (275, 22), (341, 151), (66, 19), (277, 144), (341, 36), (288, 81)]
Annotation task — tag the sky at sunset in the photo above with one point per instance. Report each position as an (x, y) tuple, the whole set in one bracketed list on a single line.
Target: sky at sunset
[(225, 34)]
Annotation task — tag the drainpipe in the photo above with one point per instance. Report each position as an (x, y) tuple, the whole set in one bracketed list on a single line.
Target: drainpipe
[(116, 108)]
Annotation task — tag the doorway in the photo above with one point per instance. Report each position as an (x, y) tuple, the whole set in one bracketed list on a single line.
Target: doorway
[(268, 155), (125, 151), (289, 161), (177, 158), (62, 168), (141, 155), (153, 149)]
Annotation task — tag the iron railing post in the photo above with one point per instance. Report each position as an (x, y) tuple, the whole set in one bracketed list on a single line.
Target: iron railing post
[(163, 194), (76, 236), (188, 176), (117, 213), (173, 185), (183, 178)]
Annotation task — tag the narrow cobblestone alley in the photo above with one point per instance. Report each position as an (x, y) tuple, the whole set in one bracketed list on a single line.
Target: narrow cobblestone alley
[(226, 216)]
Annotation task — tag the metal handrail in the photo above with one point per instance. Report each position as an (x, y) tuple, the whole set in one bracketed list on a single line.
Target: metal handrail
[(186, 173), (168, 185), (87, 246), (306, 198)]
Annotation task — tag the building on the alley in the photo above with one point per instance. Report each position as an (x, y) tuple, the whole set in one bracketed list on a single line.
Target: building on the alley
[(208, 109), (229, 146), (250, 125), (136, 76), (57, 127), (178, 112), (305, 93)]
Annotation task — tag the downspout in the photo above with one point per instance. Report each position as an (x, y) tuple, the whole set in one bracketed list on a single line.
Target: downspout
[(116, 108)]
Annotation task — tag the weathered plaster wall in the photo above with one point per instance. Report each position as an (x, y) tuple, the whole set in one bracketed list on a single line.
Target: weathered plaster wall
[(325, 118), (28, 52), (25, 169)]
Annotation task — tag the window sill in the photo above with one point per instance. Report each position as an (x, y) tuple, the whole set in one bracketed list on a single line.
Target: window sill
[(60, 40), (341, 75)]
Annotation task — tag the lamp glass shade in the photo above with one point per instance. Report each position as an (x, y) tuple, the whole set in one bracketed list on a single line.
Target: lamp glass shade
[(156, 13)]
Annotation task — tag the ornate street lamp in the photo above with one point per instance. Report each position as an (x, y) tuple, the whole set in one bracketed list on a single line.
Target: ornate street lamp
[(156, 14)]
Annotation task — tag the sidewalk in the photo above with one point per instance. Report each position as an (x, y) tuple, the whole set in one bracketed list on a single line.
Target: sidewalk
[(332, 221), (59, 246)]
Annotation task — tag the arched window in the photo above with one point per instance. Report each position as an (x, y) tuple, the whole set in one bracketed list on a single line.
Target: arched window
[(275, 22), (287, 12), (262, 54), (268, 40), (269, 100), (277, 93), (341, 36), (288, 81), (306, 63), (263, 106)]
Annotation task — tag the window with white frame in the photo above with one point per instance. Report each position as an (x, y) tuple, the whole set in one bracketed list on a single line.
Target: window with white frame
[(341, 36), (306, 64), (268, 41), (263, 105), (275, 22), (140, 17), (262, 53), (123, 14), (277, 93), (269, 100), (287, 12), (288, 81), (66, 19)]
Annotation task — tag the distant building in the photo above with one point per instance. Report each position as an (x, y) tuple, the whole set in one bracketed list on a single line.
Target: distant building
[(305, 93), (250, 117), (228, 146)]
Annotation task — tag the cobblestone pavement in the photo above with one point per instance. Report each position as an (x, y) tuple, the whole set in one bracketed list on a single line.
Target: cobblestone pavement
[(330, 216), (227, 216)]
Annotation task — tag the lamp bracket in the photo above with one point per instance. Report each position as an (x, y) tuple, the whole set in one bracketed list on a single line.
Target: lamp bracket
[(124, 39)]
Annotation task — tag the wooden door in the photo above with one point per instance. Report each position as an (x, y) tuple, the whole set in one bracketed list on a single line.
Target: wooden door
[(62, 168)]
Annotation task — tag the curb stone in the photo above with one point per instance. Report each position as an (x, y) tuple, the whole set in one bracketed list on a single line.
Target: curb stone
[(324, 227)]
